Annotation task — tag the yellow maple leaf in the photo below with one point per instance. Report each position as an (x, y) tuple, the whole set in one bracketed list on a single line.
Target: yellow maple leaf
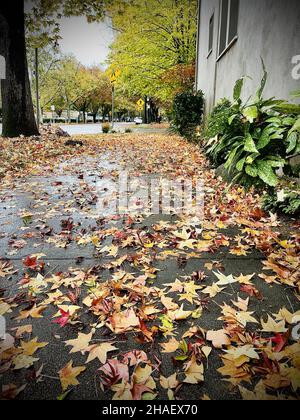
[(99, 351), (194, 372), (22, 361), (81, 343), (218, 338), (272, 326), (169, 383), (213, 290), (32, 346), (69, 374), (171, 346), (34, 312), (180, 314)]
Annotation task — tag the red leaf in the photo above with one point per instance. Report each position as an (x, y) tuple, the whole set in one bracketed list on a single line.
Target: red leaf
[(63, 320), (251, 291), (280, 340), (138, 390), (257, 214), (113, 372), (30, 262)]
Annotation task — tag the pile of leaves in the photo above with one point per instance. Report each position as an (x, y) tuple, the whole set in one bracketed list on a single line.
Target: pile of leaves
[(131, 317), (26, 155)]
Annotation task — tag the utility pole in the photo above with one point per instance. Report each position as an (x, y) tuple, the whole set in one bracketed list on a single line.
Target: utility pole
[(37, 88)]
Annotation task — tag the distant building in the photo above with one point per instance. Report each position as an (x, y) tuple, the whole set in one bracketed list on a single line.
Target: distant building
[(234, 34)]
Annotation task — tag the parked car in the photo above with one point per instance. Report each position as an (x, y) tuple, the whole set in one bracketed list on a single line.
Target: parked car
[(138, 120)]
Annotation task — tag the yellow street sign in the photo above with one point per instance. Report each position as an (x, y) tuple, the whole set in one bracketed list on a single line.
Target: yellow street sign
[(115, 74), (140, 103)]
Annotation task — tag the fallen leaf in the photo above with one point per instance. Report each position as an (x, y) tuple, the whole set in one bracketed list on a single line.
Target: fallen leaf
[(121, 322), (32, 346), (194, 372), (171, 346), (23, 361), (80, 344), (169, 383), (272, 326), (218, 338), (99, 351), (68, 375)]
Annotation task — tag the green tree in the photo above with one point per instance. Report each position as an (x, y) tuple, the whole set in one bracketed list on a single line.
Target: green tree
[(101, 96), (50, 61), (155, 46)]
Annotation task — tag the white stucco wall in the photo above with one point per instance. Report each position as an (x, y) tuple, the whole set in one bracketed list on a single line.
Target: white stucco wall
[(267, 28)]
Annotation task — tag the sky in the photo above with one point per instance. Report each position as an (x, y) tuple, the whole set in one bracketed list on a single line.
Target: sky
[(89, 42)]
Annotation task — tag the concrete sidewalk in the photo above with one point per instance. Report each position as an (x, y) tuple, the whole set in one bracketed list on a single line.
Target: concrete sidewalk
[(32, 216)]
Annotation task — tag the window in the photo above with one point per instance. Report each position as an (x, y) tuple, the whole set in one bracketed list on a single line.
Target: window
[(211, 35), (229, 23)]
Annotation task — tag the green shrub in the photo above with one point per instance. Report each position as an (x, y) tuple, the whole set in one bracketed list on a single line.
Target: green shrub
[(216, 127), (105, 128), (187, 113), (217, 122), (284, 199), (128, 130), (257, 140)]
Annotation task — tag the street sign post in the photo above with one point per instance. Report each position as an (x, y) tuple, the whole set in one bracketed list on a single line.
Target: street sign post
[(140, 106), (115, 74), (140, 103)]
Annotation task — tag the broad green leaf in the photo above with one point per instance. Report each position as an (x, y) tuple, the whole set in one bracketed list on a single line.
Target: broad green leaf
[(250, 159), (264, 139), (296, 126), (288, 121), (292, 140), (276, 163), (278, 134), (232, 156), (238, 89), (274, 120), (251, 113), (263, 81), (240, 164), (271, 103), (249, 144), (251, 170), (266, 173)]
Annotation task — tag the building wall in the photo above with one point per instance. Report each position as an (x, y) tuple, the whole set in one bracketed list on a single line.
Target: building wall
[(267, 28)]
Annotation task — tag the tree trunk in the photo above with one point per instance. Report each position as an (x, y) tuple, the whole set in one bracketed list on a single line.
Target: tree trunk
[(18, 114), (69, 114)]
